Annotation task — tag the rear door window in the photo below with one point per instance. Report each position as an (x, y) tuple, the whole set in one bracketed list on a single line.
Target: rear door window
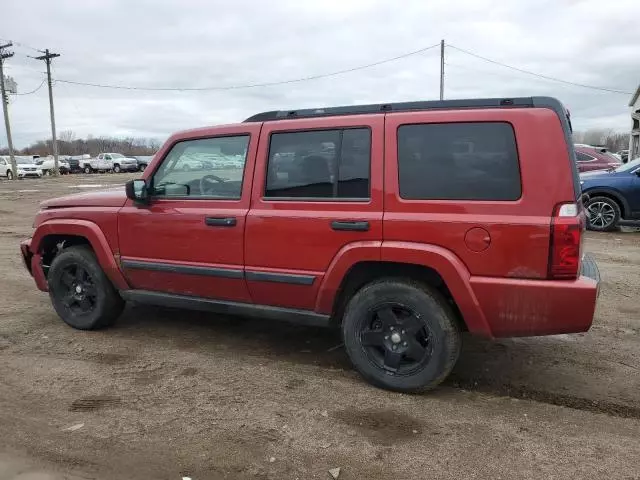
[(323, 164), (458, 161)]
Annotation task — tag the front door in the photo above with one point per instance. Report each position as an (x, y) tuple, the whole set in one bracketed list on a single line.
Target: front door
[(190, 239), (317, 189)]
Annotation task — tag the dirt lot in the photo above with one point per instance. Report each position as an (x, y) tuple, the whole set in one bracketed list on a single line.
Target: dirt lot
[(167, 394)]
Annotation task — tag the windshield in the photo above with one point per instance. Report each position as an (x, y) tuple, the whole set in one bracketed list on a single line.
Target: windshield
[(24, 161), (627, 167)]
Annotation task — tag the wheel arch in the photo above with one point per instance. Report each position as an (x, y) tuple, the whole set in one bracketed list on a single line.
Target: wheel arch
[(613, 195), (76, 232), (360, 264)]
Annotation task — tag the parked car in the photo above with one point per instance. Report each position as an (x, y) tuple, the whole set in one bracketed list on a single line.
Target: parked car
[(111, 162), (27, 167), (624, 155), (47, 165), (614, 195), (143, 161), (387, 234), (77, 163), (591, 158), (5, 167)]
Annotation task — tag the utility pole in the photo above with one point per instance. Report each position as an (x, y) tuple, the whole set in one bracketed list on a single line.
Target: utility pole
[(5, 107), (47, 58), (441, 69)]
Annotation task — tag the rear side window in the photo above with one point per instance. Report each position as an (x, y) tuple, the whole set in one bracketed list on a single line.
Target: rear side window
[(458, 161), (319, 164), (583, 157)]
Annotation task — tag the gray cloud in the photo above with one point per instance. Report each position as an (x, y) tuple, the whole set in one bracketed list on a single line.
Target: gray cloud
[(220, 43)]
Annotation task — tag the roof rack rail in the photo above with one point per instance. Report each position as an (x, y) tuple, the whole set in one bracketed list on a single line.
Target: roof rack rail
[(392, 107)]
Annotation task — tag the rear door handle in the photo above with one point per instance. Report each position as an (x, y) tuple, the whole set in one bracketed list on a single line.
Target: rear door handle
[(220, 221), (351, 225)]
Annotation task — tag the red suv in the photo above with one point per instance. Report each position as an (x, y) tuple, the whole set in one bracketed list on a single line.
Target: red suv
[(591, 158), (402, 224)]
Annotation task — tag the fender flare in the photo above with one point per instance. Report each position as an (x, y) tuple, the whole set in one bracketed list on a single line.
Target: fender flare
[(446, 263), (96, 238)]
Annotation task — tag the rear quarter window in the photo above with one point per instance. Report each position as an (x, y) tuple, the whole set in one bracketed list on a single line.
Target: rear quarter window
[(458, 161)]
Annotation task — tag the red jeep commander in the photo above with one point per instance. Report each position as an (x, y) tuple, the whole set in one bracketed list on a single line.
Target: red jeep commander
[(403, 224)]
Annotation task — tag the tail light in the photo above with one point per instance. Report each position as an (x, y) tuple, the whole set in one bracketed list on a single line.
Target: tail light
[(565, 249)]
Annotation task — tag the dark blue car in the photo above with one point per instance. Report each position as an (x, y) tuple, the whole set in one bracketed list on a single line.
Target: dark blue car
[(613, 195)]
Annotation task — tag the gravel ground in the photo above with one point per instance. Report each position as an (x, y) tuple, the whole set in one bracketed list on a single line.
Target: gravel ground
[(166, 393)]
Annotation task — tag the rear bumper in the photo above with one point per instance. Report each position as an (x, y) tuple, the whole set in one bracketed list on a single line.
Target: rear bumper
[(519, 307)]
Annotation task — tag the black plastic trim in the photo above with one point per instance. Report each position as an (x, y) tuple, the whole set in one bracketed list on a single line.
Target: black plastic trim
[(304, 317), (184, 269), (280, 277)]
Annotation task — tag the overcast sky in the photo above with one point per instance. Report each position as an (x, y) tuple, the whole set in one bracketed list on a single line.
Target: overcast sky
[(215, 43)]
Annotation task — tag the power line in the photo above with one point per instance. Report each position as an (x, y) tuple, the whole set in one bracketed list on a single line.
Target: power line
[(253, 85), (604, 89), (23, 45), (33, 91)]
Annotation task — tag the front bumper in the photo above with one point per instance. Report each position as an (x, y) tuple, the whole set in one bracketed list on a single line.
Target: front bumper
[(23, 174), (523, 307), (33, 264)]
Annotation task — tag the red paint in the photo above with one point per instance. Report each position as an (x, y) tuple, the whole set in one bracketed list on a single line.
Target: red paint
[(493, 256), (297, 235)]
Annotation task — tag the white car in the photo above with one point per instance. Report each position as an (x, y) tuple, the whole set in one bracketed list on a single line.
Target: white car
[(26, 167), (112, 162), (47, 164)]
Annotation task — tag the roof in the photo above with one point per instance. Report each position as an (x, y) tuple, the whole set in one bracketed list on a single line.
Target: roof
[(635, 97), (474, 103)]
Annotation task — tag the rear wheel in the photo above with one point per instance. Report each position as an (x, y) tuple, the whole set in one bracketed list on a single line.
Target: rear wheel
[(142, 167), (9, 175), (87, 169), (80, 292), (603, 214), (401, 335)]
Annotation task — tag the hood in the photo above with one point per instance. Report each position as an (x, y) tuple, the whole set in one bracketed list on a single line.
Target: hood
[(22, 166), (114, 197)]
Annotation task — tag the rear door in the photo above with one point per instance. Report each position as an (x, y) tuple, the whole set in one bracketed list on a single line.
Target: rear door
[(317, 189)]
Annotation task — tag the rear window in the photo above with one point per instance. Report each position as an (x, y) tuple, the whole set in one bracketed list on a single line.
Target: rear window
[(458, 161)]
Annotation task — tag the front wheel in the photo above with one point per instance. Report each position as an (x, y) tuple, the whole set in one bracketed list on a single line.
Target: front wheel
[(603, 214), (80, 292), (116, 168), (401, 335), (9, 175)]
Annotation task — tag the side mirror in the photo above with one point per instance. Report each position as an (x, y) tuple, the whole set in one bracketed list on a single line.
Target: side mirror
[(137, 191)]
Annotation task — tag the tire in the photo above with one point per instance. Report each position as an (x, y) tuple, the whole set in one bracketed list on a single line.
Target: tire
[(142, 167), (603, 214), (421, 325), (46, 173), (97, 304), (9, 175), (116, 168), (87, 169)]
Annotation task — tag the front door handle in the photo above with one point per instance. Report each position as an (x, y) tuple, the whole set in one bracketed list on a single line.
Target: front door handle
[(220, 221), (350, 225)]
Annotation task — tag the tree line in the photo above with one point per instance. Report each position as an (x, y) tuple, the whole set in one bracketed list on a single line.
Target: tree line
[(614, 141), (68, 144)]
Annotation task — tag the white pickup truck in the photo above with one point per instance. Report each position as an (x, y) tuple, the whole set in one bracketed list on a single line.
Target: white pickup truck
[(111, 162)]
